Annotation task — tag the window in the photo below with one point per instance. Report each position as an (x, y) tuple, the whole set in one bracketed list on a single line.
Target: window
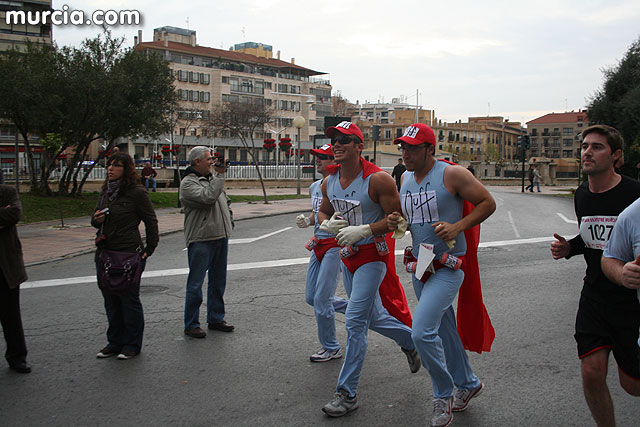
[(7, 131), (183, 76), (399, 132), (232, 155), (267, 85), (567, 153), (225, 79), (205, 78), (567, 142), (230, 98), (205, 96), (139, 151), (567, 131), (282, 88), (193, 77), (387, 133), (182, 131), (243, 155)]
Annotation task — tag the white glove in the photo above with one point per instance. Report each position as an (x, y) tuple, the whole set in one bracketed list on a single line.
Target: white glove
[(302, 221), (333, 225), (352, 234), (401, 230)]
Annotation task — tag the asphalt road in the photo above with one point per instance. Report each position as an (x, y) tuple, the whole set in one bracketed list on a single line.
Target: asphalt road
[(260, 375)]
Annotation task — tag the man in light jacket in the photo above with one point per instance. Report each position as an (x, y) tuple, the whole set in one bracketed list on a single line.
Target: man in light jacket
[(12, 273), (207, 227)]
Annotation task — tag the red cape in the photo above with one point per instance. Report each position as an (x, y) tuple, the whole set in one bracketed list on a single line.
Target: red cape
[(391, 291), (474, 326)]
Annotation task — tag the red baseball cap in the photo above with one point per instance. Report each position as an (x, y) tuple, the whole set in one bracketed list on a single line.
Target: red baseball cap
[(325, 149), (416, 134), (346, 128)]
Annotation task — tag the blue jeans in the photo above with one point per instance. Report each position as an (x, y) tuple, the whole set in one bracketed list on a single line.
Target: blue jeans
[(365, 311), (322, 280), (153, 183), (436, 335), (203, 256), (126, 319)]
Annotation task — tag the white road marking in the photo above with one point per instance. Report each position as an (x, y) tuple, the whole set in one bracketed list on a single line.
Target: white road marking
[(567, 220), (513, 224), (247, 265), (253, 239)]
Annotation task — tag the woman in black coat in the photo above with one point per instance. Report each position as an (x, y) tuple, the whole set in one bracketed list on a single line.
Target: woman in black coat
[(128, 203), (12, 274)]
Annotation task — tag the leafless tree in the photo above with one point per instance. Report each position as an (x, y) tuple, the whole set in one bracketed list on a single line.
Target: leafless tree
[(243, 120)]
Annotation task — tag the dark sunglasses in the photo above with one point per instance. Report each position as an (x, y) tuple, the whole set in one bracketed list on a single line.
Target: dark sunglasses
[(342, 139), (410, 148), (323, 157)]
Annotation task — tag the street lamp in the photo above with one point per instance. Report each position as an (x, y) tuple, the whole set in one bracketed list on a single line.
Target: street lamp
[(298, 123)]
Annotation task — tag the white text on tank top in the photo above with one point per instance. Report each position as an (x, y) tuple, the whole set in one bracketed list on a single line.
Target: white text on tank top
[(315, 190), (354, 202), (421, 209)]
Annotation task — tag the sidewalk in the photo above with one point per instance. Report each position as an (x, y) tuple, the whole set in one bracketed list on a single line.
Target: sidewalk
[(45, 241)]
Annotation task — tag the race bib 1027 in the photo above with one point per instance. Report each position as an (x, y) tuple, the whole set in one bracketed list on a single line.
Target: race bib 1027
[(596, 230)]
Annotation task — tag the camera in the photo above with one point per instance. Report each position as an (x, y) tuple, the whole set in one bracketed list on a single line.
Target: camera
[(220, 162)]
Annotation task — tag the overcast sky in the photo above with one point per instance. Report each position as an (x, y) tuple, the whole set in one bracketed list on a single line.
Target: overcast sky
[(465, 57)]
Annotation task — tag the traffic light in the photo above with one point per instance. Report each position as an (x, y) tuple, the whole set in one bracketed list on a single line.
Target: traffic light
[(527, 142), (376, 132), (520, 141)]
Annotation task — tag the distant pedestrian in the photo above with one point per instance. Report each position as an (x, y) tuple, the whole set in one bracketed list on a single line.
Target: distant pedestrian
[(536, 178), (149, 176), (324, 269), (207, 228), (530, 176), (398, 170), (128, 204), (472, 170), (12, 274), (608, 315)]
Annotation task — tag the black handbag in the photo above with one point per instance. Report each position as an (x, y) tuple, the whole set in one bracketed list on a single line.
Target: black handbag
[(119, 272)]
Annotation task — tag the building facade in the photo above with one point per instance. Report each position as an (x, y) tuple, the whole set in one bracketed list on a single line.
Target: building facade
[(207, 77), (491, 139), (15, 35), (557, 136)]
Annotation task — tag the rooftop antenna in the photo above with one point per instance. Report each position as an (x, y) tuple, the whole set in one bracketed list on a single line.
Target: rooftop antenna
[(243, 35), (566, 106), (187, 22)]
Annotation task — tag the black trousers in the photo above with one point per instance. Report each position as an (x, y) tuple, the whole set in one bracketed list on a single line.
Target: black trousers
[(12, 323)]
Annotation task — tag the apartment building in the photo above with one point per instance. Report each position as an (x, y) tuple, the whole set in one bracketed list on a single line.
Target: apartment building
[(557, 136), (15, 36), (248, 72), (491, 138)]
